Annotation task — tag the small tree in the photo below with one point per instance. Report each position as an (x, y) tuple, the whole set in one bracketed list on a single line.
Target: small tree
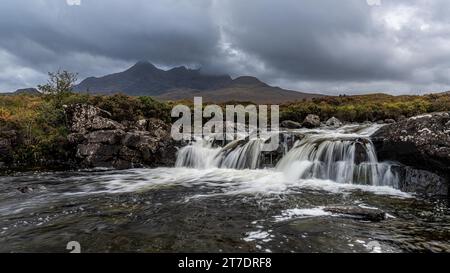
[(59, 85)]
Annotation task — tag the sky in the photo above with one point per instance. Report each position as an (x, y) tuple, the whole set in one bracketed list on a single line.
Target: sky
[(322, 46)]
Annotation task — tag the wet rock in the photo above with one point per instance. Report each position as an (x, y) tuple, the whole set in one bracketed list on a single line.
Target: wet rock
[(389, 121), (311, 121), (25, 189), (289, 124), (422, 142), (422, 182), (334, 122), (366, 214), (401, 118)]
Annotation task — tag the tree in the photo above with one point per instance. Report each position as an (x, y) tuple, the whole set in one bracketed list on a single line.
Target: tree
[(59, 85)]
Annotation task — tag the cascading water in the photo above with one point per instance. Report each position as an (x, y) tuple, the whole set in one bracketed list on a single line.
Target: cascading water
[(239, 154), (345, 155), (343, 159), (199, 155)]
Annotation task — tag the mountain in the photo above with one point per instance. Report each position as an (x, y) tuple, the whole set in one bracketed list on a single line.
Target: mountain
[(145, 79), (27, 91), (244, 89), (181, 83)]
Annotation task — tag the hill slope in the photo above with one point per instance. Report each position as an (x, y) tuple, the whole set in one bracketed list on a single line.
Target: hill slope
[(244, 89)]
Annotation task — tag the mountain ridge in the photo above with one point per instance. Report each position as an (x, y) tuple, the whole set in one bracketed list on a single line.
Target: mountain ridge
[(181, 83)]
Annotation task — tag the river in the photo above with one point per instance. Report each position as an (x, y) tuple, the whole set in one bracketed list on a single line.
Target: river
[(223, 200)]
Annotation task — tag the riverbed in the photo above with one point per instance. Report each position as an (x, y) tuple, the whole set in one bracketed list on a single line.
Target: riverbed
[(209, 210)]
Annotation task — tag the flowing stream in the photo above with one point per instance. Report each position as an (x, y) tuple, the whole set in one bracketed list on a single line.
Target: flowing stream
[(228, 198)]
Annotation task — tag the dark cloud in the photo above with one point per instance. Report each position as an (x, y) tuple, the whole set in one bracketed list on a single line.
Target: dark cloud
[(319, 45)]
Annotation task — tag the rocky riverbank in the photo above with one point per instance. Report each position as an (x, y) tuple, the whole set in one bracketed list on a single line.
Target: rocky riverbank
[(95, 140), (423, 144), (103, 142)]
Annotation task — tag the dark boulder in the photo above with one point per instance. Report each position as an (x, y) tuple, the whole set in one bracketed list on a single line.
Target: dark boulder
[(422, 182), (421, 142), (311, 121)]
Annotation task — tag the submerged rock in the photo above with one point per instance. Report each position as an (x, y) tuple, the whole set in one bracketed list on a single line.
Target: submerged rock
[(311, 121), (422, 142), (366, 214), (25, 189)]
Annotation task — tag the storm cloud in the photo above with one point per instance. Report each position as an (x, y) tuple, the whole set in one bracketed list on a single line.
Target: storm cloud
[(323, 46)]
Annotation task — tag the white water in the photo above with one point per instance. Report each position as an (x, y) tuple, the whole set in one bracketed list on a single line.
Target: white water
[(236, 155), (345, 156)]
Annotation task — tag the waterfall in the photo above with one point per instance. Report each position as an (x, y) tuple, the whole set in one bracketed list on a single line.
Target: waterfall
[(343, 159), (244, 156), (199, 155), (344, 156), (239, 154)]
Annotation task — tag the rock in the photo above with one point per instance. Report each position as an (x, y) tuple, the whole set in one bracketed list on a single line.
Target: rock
[(422, 142), (136, 139), (25, 189), (311, 121), (289, 124), (334, 122), (422, 182), (84, 118), (102, 142), (389, 121), (105, 136), (8, 140), (365, 214), (75, 138)]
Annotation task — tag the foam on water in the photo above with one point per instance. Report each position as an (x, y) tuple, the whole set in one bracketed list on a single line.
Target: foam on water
[(223, 182)]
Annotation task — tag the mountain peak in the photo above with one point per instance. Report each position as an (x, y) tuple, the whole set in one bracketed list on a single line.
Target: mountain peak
[(143, 65), (248, 80)]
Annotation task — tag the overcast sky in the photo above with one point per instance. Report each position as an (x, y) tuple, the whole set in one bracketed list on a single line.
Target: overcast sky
[(328, 46)]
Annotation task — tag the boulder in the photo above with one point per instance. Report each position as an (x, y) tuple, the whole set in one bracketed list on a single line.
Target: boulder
[(84, 118), (311, 121), (334, 122), (105, 136), (422, 182), (389, 121), (103, 142), (289, 124), (421, 142)]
